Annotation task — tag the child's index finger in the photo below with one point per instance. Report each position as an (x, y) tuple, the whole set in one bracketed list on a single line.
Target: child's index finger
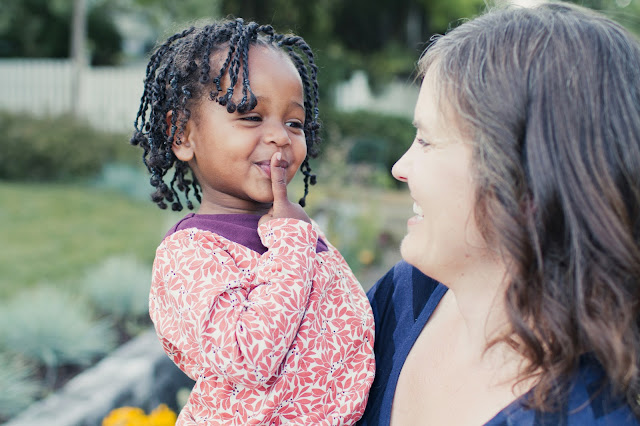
[(278, 178)]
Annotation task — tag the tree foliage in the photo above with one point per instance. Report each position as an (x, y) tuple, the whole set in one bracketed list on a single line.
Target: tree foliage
[(42, 28), (381, 37), (626, 12)]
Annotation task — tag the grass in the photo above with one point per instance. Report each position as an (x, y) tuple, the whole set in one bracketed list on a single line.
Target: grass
[(54, 232)]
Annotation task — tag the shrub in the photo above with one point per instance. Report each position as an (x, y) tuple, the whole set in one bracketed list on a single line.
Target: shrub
[(353, 230), (126, 179), (119, 287), (54, 148), (19, 389), (372, 138), (52, 328)]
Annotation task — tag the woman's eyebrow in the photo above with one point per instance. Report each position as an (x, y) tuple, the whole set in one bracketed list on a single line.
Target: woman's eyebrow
[(419, 125)]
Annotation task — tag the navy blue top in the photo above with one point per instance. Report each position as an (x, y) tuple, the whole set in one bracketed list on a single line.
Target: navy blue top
[(239, 228), (403, 301)]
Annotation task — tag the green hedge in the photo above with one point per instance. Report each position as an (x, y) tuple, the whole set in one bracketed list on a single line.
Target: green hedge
[(55, 148), (62, 148), (373, 138)]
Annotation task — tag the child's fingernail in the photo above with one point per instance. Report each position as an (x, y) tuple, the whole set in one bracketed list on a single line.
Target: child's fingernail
[(278, 156)]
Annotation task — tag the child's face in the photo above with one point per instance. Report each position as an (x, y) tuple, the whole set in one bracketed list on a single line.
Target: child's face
[(230, 153)]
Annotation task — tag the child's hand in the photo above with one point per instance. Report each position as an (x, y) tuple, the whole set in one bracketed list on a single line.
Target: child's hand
[(282, 207)]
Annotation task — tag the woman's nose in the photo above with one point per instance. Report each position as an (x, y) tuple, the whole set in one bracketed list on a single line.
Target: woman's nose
[(399, 170)]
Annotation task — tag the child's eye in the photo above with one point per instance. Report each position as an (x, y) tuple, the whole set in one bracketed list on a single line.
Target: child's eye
[(255, 118), (295, 124)]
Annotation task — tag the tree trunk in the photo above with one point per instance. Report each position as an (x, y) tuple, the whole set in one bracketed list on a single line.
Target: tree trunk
[(78, 52)]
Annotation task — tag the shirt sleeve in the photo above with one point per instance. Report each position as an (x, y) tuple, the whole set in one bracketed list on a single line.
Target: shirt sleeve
[(216, 314)]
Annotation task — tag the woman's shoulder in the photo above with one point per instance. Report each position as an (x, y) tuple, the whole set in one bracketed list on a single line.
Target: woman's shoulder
[(590, 401), (402, 302), (403, 285)]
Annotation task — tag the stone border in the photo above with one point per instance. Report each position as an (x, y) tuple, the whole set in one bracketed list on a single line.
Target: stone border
[(137, 374)]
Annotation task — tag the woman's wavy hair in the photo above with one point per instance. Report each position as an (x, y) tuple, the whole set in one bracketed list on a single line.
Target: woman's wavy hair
[(179, 75), (550, 97)]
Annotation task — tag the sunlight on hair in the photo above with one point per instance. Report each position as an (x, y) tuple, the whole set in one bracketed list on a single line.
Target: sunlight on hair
[(527, 3)]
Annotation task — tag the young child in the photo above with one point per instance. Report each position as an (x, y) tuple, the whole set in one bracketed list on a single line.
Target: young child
[(248, 298)]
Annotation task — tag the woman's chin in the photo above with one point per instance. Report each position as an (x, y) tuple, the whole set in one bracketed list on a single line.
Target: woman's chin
[(408, 255)]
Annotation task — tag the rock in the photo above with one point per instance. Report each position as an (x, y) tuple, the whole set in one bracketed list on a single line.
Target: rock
[(138, 374)]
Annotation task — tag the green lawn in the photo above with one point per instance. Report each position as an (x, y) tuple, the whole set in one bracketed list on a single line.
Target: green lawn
[(53, 233)]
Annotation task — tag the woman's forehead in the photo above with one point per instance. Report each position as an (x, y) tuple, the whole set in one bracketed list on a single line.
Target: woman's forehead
[(435, 112)]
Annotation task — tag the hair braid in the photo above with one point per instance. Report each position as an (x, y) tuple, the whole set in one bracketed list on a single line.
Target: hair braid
[(312, 126), (243, 106), (228, 66), (206, 65)]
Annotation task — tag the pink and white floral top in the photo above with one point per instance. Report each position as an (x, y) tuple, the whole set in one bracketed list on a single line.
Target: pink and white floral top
[(283, 337)]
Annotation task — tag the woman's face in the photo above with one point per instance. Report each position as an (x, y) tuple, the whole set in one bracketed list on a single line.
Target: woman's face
[(442, 240)]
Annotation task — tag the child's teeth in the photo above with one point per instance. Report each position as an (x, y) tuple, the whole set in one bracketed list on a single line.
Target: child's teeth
[(417, 210)]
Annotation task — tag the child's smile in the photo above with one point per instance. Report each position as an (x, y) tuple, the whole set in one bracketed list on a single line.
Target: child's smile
[(230, 152), (265, 166)]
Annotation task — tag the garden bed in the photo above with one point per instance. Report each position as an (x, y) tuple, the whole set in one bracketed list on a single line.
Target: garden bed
[(137, 374)]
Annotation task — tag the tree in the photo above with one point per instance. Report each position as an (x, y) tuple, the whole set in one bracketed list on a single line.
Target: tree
[(42, 28), (381, 37), (626, 12)]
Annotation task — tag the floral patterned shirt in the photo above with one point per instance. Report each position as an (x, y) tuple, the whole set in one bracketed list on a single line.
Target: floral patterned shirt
[(282, 337)]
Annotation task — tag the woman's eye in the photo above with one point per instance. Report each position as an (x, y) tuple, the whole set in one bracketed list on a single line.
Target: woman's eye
[(422, 143)]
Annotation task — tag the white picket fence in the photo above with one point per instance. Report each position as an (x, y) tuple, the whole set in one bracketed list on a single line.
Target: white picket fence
[(397, 98), (110, 96)]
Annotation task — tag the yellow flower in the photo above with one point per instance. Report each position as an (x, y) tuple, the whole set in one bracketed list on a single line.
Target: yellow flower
[(132, 416), (366, 257), (162, 416), (125, 416)]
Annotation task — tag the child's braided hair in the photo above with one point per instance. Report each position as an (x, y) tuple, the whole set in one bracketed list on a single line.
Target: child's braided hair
[(179, 74)]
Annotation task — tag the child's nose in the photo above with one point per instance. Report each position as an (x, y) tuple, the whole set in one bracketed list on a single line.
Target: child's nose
[(277, 134)]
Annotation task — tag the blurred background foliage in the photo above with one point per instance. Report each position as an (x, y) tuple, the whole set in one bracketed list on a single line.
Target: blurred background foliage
[(59, 148), (42, 29), (78, 230), (381, 37)]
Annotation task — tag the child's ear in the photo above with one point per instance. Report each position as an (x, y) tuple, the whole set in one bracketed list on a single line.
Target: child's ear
[(182, 147)]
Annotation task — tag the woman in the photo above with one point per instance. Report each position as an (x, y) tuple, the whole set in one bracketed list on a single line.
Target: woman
[(525, 177)]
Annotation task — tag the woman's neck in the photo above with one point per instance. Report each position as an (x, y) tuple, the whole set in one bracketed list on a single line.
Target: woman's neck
[(477, 318), (477, 304)]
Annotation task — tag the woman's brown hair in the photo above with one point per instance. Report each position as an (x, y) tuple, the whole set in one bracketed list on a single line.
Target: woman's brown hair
[(551, 98)]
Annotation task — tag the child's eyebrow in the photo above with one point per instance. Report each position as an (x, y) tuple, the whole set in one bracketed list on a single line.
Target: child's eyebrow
[(266, 100)]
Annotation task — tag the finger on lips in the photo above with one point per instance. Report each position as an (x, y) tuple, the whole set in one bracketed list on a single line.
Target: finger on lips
[(278, 177)]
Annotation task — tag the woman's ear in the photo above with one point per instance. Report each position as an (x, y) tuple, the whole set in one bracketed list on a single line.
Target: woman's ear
[(182, 146)]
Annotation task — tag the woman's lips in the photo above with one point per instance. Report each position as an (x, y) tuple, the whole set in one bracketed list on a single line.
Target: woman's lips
[(419, 215)]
